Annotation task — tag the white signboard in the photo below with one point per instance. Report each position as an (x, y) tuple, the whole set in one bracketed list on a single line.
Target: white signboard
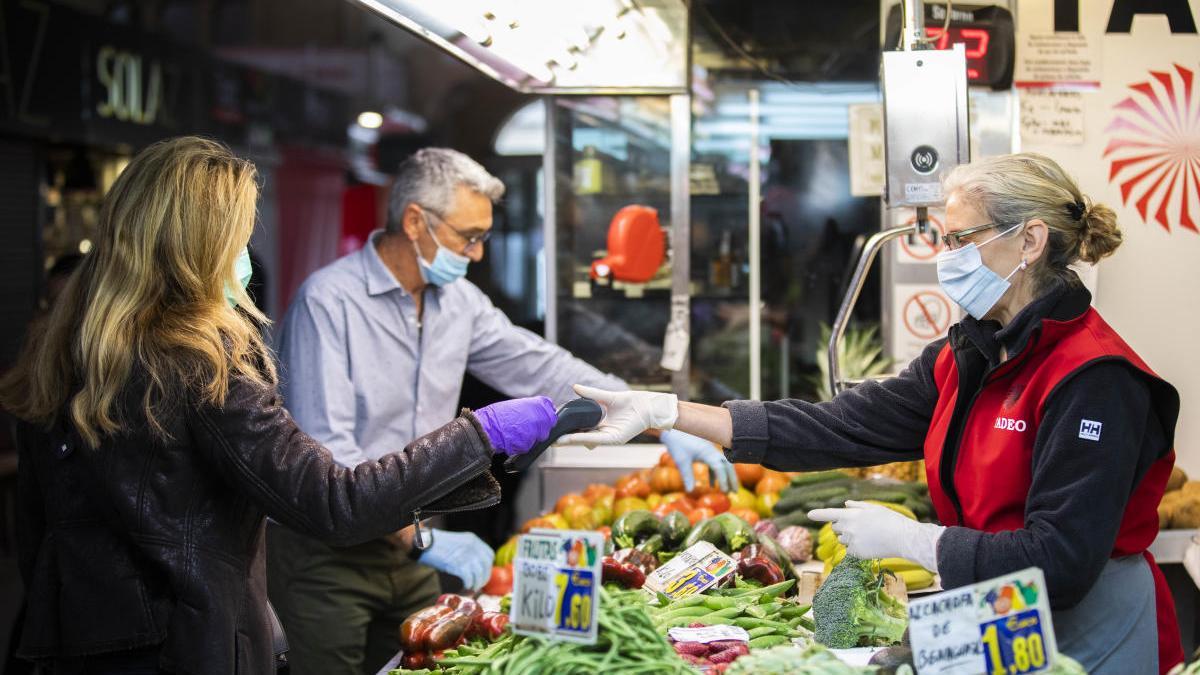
[(921, 313), (1052, 117), (556, 585), (867, 168), (993, 627)]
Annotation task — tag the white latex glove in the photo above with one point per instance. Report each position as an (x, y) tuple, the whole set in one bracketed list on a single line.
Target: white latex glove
[(626, 414), (462, 554), (686, 448), (873, 531)]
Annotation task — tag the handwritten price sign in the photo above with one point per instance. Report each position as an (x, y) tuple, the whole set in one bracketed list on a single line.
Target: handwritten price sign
[(556, 585), (998, 627)]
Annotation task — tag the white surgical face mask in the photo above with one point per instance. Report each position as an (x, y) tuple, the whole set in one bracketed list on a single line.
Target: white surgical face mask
[(970, 283)]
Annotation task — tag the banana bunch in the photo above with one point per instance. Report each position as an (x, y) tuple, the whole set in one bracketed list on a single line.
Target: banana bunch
[(831, 551)]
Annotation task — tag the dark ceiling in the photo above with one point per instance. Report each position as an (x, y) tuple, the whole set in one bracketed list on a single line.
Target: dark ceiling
[(800, 40)]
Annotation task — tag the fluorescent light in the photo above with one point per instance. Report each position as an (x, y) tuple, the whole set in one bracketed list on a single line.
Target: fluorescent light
[(370, 120)]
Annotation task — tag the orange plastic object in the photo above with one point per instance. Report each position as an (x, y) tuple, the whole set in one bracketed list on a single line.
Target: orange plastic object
[(636, 246)]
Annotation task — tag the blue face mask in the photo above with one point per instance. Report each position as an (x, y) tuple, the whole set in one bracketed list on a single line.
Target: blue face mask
[(241, 267), (969, 282), (447, 266)]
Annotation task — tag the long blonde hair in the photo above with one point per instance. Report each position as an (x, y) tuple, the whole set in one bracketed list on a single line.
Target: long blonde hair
[(151, 294), (1015, 188)]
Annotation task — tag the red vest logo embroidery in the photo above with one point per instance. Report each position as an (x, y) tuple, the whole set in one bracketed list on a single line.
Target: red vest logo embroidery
[(1009, 424)]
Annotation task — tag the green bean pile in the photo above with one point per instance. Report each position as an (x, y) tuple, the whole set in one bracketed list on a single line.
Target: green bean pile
[(627, 642)]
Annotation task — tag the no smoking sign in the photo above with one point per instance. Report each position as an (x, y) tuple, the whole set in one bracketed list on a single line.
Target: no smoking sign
[(923, 247), (926, 315)]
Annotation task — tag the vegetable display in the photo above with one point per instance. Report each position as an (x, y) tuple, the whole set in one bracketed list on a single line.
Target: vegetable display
[(627, 643), (851, 608), (811, 659)]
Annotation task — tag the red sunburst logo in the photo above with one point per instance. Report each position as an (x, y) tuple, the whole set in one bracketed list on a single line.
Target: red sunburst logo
[(1154, 151)]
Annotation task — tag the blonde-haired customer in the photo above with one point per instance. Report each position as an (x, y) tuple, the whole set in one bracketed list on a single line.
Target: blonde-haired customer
[(153, 445)]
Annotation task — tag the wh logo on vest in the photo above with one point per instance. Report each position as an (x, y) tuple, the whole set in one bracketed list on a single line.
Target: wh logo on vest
[(1009, 424), (1089, 430)]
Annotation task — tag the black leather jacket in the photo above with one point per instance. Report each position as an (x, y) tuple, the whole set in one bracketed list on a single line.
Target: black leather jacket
[(144, 541)]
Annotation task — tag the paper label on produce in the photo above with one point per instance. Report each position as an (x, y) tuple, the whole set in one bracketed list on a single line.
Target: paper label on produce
[(1001, 626), (556, 585), (708, 634), (693, 571)]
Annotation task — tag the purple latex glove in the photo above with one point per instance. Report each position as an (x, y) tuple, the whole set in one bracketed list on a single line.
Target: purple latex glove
[(516, 425)]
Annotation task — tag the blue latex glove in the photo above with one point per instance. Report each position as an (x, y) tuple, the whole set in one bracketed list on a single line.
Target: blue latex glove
[(516, 425), (462, 554), (686, 448)]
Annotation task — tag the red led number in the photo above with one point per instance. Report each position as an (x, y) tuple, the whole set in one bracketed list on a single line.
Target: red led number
[(975, 41)]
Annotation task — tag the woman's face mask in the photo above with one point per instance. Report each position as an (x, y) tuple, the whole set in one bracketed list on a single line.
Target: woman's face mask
[(447, 266), (969, 282), (241, 267)]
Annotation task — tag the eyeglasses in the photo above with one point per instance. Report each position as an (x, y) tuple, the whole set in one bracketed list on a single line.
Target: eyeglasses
[(954, 239), (471, 241)]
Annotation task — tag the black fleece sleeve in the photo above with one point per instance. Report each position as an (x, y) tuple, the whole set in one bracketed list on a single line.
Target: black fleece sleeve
[(876, 422), (1080, 485)]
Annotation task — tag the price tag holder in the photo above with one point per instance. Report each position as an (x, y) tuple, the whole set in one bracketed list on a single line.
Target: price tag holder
[(556, 585), (693, 571), (998, 627)]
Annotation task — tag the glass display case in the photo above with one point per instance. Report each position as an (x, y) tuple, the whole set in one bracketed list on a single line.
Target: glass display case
[(604, 155)]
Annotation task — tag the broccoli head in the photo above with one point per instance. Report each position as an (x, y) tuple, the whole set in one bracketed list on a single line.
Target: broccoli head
[(851, 608)]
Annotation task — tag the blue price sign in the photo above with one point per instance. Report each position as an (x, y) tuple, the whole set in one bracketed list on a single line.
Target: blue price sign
[(575, 609), (1015, 644)]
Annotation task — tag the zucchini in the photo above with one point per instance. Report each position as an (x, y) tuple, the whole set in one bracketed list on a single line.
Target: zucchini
[(738, 534), (634, 527), (890, 496), (652, 545), (675, 528), (792, 500), (706, 530)]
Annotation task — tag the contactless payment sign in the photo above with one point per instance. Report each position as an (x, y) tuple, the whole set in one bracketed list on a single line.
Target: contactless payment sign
[(997, 627), (556, 585)]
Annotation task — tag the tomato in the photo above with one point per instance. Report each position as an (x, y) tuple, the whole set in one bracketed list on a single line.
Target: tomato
[(688, 503), (632, 486), (605, 530), (568, 500), (769, 484), (703, 487), (664, 479), (700, 514), (665, 460), (717, 501), (597, 490), (748, 515), (500, 583), (748, 474), (628, 504)]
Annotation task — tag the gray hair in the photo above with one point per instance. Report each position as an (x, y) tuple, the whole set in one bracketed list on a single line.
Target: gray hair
[(430, 178), (1012, 189)]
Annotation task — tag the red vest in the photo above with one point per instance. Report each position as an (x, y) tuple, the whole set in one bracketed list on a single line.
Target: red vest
[(992, 472)]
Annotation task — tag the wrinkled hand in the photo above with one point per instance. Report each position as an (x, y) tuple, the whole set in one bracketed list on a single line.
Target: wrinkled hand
[(686, 448), (462, 554), (626, 414), (517, 425), (873, 531)]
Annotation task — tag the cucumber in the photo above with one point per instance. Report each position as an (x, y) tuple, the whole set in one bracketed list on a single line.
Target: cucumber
[(794, 500), (796, 518), (890, 496), (706, 530), (817, 477), (634, 527)]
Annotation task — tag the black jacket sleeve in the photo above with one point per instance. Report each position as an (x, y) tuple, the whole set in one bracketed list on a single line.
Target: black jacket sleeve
[(876, 422), (31, 513), (1079, 487), (258, 448)]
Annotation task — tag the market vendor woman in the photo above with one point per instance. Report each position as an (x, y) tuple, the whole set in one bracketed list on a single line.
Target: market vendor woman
[(1047, 440)]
